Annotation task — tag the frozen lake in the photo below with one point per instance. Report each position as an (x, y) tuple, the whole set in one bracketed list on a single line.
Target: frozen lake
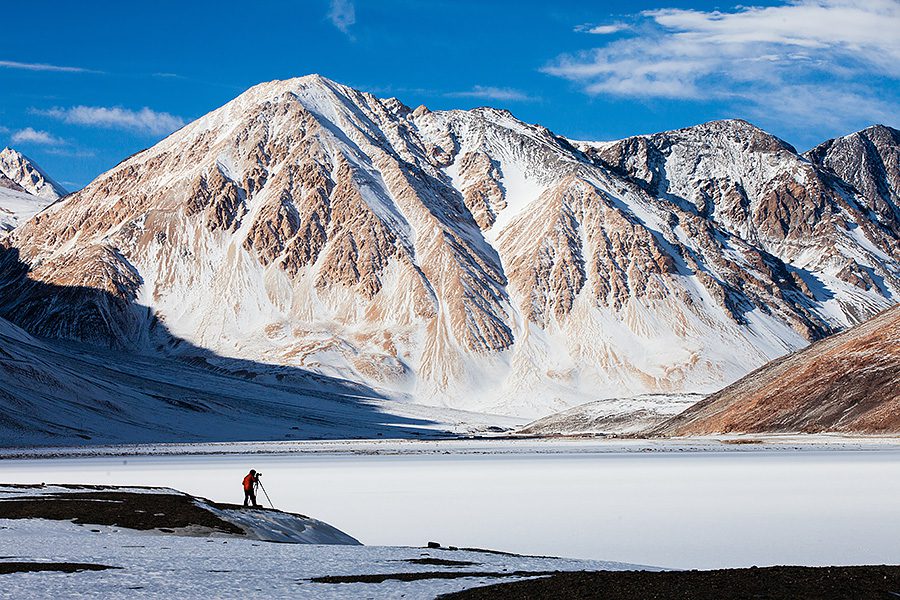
[(673, 509)]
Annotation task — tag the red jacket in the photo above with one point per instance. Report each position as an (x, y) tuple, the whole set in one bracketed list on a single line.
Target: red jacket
[(249, 480)]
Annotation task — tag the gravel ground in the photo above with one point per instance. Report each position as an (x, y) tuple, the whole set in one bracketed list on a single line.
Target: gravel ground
[(770, 583)]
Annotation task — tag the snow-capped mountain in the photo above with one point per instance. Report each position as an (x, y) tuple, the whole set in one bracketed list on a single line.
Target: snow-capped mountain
[(26, 174), (25, 189), (458, 258), (849, 382), (754, 187), (869, 160)]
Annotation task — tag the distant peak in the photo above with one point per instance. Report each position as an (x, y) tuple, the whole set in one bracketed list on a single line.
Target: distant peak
[(732, 124), (876, 129), (744, 130), (877, 133), (311, 81), (879, 127), (315, 78), (23, 171)]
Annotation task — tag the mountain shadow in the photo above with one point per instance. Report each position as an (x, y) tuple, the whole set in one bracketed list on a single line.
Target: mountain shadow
[(59, 386)]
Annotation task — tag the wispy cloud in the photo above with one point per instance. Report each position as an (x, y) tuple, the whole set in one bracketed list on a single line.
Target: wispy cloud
[(144, 120), (602, 29), (70, 153), (34, 136), (25, 66), (806, 59), (393, 90), (492, 93), (342, 14)]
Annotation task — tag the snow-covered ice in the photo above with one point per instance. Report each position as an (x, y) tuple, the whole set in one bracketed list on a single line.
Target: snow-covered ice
[(689, 503), (153, 566)]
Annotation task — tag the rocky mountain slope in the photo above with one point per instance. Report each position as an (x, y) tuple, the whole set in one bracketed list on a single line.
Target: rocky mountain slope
[(869, 160), (25, 189), (56, 393), (849, 382), (612, 416), (459, 258)]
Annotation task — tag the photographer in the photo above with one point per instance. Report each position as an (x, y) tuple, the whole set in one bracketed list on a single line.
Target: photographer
[(251, 481)]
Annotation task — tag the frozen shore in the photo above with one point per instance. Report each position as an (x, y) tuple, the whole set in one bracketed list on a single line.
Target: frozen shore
[(113, 542), (481, 445)]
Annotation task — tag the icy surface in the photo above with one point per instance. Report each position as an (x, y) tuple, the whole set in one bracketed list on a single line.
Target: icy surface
[(277, 526), (257, 523), (153, 566), (699, 503)]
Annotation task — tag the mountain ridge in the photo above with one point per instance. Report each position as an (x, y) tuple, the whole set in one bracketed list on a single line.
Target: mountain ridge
[(463, 258)]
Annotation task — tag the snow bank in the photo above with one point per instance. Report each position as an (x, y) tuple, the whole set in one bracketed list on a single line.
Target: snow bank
[(276, 526)]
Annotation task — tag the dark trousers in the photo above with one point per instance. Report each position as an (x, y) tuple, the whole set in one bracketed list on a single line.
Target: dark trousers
[(250, 496)]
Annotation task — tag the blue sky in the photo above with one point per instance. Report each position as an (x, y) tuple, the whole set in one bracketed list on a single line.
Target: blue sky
[(84, 85)]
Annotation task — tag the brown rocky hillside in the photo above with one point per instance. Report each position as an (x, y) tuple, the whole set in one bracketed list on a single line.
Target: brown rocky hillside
[(849, 382)]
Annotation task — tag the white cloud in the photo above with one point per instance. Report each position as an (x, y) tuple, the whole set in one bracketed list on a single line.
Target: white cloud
[(33, 136), (787, 60), (838, 109), (342, 14), (11, 64), (602, 29), (71, 153), (144, 120), (492, 93)]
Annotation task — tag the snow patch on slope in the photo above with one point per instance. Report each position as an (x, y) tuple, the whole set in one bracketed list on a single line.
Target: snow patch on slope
[(17, 207)]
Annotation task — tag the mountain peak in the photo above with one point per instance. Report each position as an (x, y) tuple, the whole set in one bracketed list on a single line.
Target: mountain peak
[(313, 81), (869, 160), (879, 127), (873, 132), (323, 97), (739, 130), (28, 175)]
